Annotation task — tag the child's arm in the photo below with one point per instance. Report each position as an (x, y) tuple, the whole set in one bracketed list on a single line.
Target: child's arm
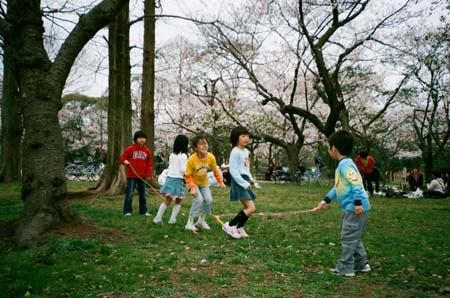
[(190, 182), (219, 178), (149, 166), (124, 157), (331, 195)]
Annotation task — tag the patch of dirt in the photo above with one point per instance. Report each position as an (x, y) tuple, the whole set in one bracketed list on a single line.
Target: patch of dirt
[(87, 231), (81, 196)]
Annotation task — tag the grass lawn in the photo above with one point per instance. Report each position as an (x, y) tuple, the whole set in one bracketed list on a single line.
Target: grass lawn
[(407, 242)]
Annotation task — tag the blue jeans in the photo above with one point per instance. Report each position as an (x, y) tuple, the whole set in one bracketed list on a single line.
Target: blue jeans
[(129, 191), (201, 204)]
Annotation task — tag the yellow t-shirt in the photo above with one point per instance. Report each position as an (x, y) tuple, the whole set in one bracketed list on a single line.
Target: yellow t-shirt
[(197, 169)]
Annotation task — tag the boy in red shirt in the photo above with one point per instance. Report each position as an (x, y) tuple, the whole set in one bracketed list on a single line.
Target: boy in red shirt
[(138, 159)]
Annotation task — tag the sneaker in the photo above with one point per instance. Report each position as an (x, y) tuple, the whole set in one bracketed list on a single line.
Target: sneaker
[(156, 222), (366, 268), (147, 214), (202, 224), (337, 272), (231, 230), (191, 227), (242, 232), (172, 221), (127, 214)]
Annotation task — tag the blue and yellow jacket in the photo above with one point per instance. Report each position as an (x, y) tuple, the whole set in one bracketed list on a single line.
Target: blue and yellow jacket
[(349, 187)]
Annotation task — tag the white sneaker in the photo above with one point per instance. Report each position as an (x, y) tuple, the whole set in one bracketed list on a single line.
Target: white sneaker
[(127, 214), (366, 268), (231, 230), (191, 227), (147, 214), (172, 221), (202, 224), (242, 232)]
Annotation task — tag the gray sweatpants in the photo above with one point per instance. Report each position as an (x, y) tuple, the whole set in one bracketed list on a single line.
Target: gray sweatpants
[(353, 228)]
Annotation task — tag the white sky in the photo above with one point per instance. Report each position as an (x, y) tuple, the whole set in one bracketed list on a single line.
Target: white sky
[(90, 75)]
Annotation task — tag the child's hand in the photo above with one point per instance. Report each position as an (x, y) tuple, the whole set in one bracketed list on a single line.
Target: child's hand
[(322, 205), (359, 210), (126, 162), (193, 192), (223, 186)]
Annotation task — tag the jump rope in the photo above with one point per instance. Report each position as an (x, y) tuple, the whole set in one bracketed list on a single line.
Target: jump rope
[(217, 217)]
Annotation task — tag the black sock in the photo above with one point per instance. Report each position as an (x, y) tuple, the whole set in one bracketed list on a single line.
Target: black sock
[(237, 219), (243, 220)]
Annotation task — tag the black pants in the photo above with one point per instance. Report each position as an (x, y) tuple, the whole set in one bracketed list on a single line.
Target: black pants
[(369, 178)]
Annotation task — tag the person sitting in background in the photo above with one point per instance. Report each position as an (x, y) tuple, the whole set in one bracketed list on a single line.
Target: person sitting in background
[(436, 188), (415, 179)]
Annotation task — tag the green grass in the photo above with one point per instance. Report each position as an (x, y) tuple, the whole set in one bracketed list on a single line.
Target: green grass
[(286, 256)]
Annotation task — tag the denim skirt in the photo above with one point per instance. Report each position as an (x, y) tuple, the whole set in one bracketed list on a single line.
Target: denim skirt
[(173, 188), (237, 192)]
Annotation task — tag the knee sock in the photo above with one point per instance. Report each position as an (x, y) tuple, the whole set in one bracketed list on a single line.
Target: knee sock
[(161, 210), (175, 211), (237, 219), (243, 220)]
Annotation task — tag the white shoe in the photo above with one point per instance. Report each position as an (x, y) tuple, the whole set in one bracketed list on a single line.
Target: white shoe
[(366, 268), (147, 214), (172, 221), (202, 224), (191, 227), (127, 214), (157, 222), (242, 232), (231, 230)]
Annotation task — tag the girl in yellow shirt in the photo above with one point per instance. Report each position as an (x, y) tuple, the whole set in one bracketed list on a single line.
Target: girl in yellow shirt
[(197, 168)]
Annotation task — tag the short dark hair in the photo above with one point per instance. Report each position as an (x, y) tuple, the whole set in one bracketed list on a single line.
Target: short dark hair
[(343, 141), (139, 134), (236, 133), (364, 154), (436, 174), (180, 145), (196, 139)]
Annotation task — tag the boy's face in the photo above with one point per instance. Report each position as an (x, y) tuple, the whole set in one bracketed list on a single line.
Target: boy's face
[(202, 146), (141, 141), (333, 152)]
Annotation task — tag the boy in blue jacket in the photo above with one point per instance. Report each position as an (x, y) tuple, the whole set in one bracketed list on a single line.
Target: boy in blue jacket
[(354, 202)]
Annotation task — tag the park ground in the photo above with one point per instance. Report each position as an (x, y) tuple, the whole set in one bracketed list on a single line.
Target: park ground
[(287, 255)]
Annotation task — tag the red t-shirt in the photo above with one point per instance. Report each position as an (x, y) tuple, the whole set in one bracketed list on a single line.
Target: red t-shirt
[(140, 158)]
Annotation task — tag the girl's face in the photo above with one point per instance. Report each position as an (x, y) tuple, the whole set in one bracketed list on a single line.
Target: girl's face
[(243, 140), (202, 147)]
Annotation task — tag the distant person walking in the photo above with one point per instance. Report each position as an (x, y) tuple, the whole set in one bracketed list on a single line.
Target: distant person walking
[(366, 166)]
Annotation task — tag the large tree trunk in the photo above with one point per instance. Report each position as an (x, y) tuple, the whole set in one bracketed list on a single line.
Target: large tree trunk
[(119, 105), (40, 85), (12, 128), (148, 75)]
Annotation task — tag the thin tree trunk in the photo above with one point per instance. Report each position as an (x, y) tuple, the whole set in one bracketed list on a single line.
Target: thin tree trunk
[(119, 105), (12, 128), (148, 75)]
